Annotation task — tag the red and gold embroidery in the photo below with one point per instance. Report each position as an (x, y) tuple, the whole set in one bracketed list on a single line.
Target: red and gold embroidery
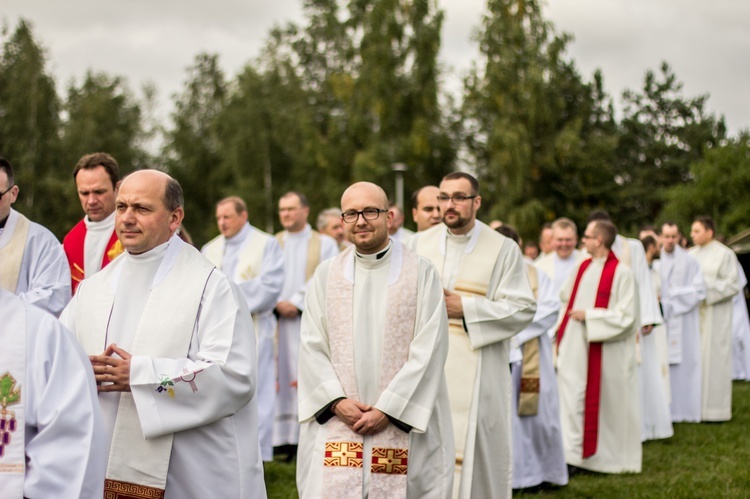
[(347, 454), (115, 489), (389, 461)]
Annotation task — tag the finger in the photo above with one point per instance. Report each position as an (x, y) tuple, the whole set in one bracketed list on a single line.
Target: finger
[(115, 387), (119, 351)]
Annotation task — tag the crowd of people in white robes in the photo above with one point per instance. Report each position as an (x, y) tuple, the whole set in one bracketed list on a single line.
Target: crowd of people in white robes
[(524, 362)]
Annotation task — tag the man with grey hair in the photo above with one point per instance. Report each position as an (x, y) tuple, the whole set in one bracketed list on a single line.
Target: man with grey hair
[(565, 257), (172, 348), (329, 223), (254, 261)]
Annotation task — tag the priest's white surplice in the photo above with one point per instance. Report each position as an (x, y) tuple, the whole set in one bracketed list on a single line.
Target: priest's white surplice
[(296, 246), (682, 291), (558, 270), (254, 261), (619, 438), (210, 411), (482, 427), (655, 418), (43, 275), (416, 396), (538, 454), (63, 433), (719, 267)]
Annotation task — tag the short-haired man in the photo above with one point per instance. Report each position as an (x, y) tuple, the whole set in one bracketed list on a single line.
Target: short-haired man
[(373, 400), (425, 210), (681, 292), (32, 262), (564, 258), (489, 300), (596, 360), (51, 434), (304, 249), (92, 243), (655, 416), (397, 229), (254, 261), (538, 455), (329, 223), (545, 240), (719, 266), (172, 348)]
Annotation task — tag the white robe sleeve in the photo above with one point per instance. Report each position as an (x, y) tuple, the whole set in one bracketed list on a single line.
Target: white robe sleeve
[(218, 376), (725, 285), (65, 441), (511, 308), (547, 310), (619, 320), (45, 276), (318, 383), (648, 303), (684, 297), (262, 292), (411, 394)]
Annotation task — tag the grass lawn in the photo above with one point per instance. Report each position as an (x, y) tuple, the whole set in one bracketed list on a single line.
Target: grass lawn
[(701, 460)]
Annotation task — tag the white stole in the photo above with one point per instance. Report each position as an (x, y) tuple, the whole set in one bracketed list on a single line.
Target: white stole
[(11, 254), (12, 403), (135, 462)]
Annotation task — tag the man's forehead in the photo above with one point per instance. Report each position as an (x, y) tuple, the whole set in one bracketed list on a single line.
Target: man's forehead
[(290, 201), (455, 185), (563, 232)]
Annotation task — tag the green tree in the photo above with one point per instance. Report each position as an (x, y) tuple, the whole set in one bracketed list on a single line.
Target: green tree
[(29, 126), (662, 134), (539, 137), (192, 148), (717, 185)]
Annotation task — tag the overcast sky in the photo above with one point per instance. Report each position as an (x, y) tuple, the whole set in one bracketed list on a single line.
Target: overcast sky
[(705, 41)]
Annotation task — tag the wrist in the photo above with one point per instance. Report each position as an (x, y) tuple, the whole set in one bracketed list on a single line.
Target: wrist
[(334, 405)]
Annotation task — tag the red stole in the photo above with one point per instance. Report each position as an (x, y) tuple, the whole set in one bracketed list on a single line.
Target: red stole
[(594, 375), (73, 245)]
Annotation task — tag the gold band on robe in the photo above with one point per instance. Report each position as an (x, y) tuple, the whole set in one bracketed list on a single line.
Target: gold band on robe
[(115, 489), (528, 396)]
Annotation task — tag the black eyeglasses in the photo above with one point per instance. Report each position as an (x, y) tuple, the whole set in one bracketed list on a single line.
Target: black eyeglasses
[(6, 192), (456, 198), (368, 214)]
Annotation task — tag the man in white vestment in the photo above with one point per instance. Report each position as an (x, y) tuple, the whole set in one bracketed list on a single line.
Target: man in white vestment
[(373, 400), (740, 331), (719, 266), (564, 258), (32, 262), (425, 210), (489, 300), (304, 249), (329, 223), (655, 416), (652, 248), (51, 434), (92, 243), (681, 293), (172, 347), (397, 230), (596, 360), (253, 260), (538, 455)]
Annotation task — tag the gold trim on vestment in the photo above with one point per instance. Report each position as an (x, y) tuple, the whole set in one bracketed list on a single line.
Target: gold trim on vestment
[(115, 489)]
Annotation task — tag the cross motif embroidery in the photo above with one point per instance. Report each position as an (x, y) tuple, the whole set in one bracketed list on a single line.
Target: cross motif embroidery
[(389, 461), (347, 454)]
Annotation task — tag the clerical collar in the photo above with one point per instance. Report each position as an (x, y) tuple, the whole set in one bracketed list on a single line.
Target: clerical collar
[(240, 236), (666, 254), (4, 221), (106, 223), (150, 255), (466, 236), (376, 256)]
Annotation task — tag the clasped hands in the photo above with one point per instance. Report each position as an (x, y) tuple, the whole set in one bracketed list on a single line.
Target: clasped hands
[(109, 369), (360, 418)]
